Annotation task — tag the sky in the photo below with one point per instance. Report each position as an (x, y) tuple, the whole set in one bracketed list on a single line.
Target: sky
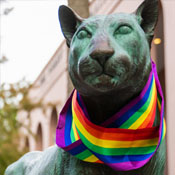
[(29, 34)]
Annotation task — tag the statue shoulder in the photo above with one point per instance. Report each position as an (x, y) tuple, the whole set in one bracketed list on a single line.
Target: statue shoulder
[(20, 166), (37, 162)]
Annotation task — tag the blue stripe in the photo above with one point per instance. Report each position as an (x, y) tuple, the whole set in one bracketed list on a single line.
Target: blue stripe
[(81, 105), (79, 101), (124, 158), (78, 149), (131, 111), (68, 126)]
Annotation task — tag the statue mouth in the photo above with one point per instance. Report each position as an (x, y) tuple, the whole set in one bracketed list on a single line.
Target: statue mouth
[(104, 75), (104, 80)]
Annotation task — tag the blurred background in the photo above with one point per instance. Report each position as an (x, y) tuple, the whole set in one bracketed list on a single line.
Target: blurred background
[(34, 83)]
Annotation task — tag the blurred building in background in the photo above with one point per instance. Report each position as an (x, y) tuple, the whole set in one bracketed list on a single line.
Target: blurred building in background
[(51, 88), (53, 85)]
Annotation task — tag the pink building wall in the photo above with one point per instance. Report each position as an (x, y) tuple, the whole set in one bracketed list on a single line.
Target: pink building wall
[(169, 27)]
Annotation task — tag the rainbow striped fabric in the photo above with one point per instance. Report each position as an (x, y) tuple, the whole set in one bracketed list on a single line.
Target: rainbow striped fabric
[(126, 141)]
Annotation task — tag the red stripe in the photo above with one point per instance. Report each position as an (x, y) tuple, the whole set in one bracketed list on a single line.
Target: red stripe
[(150, 124), (99, 161)]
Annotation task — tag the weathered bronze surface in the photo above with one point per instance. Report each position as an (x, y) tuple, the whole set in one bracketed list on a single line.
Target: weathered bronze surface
[(109, 64)]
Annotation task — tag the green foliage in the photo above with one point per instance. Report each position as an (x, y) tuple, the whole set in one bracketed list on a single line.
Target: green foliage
[(13, 98)]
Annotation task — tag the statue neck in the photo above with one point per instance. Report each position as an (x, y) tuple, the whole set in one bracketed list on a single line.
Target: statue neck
[(100, 108)]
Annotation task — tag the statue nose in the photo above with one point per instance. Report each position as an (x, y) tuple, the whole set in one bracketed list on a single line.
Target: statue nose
[(102, 55)]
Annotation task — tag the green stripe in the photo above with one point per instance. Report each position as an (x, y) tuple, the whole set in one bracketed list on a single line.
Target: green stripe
[(159, 98), (72, 136), (117, 151), (83, 155), (138, 113)]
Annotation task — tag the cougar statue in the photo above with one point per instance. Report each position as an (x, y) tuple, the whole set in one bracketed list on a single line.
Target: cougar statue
[(112, 123)]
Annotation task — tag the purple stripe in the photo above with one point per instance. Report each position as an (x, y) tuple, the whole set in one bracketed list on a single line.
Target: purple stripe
[(126, 166), (162, 105), (130, 105), (73, 145), (60, 141)]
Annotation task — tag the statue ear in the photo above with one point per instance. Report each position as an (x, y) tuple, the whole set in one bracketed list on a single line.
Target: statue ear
[(69, 22), (147, 14)]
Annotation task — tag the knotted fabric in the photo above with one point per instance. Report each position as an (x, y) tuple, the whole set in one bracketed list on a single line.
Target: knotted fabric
[(124, 142)]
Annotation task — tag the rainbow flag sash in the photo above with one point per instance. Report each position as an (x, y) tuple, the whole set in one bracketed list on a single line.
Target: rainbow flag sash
[(126, 141)]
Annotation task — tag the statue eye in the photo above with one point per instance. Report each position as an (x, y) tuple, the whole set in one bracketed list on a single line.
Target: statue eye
[(83, 34), (123, 30)]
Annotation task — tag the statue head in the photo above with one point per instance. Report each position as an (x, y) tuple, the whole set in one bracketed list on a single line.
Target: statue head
[(109, 53)]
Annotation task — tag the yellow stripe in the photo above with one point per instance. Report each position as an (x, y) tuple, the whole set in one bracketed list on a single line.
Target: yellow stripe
[(74, 131), (164, 128), (91, 158), (110, 143), (143, 117)]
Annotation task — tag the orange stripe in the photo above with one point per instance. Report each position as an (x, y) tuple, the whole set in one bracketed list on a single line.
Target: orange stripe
[(150, 124)]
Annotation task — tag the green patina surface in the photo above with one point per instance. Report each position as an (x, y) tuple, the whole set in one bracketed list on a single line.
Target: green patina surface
[(109, 63)]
